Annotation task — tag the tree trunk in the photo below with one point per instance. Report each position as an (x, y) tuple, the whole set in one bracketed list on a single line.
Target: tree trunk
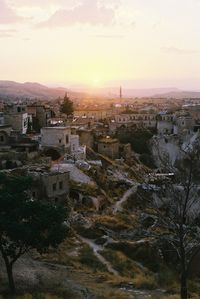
[(11, 282), (184, 276), (184, 291), (9, 270)]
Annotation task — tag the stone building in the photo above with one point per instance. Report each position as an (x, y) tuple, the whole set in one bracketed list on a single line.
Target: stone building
[(147, 120), (56, 137), (93, 114), (50, 185), (16, 116), (185, 124), (193, 110), (39, 116), (165, 123), (5, 132), (2, 119), (108, 147), (86, 137), (62, 140)]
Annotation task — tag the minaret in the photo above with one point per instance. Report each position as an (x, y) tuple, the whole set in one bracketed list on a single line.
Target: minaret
[(120, 93)]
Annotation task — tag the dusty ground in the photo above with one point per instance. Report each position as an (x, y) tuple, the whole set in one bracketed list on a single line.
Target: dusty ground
[(36, 276)]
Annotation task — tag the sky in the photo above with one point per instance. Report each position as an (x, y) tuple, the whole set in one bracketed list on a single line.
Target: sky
[(136, 43)]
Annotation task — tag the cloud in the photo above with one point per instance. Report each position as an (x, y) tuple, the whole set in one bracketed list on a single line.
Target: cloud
[(7, 32), (88, 12), (7, 14), (41, 3), (179, 51), (108, 36)]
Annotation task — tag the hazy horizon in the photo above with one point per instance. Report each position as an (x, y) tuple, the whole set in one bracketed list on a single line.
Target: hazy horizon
[(137, 85)]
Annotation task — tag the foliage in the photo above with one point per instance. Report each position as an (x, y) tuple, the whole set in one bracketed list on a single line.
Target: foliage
[(144, 253), (138, 138), (167, 278), (147, 160), (67, 106), (26, 223)]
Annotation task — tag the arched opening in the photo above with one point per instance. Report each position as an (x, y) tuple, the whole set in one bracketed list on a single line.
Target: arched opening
[(53, 153), (75, 195), (3, 138)]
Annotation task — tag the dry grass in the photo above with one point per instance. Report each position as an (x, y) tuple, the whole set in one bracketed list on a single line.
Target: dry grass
[(112, 222), (125, 266), (144, 281), (171, 297), (88, 259), (41, 296), (194, 286), (192, 296), (118, 295), (130, 270)]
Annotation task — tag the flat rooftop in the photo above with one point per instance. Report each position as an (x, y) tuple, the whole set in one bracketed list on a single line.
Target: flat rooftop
[(57, 128), (108, 140)]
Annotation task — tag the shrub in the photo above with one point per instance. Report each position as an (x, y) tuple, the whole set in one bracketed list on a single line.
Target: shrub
[(145, 281), (138, 138), (147, 160)]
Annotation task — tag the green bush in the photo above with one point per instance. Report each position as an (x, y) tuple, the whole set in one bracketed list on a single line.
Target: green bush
[(138, 138), (147, 160)]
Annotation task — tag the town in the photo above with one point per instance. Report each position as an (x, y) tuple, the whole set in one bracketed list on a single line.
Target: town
[(107, 162)]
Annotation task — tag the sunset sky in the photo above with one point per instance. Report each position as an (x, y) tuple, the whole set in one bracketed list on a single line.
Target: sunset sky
[(147, 43)]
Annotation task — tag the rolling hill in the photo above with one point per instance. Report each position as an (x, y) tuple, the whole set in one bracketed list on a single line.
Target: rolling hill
[(12, 90)]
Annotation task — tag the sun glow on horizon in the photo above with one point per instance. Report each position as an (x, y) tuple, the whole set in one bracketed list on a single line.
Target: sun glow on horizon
[(97, 82)]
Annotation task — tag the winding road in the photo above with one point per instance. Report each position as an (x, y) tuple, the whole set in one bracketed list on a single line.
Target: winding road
[(96, 249), (118, 207)]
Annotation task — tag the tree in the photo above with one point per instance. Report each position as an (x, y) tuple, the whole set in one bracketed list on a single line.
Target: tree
[(26, 223), (177, 208), (67, 106), (138, 138)]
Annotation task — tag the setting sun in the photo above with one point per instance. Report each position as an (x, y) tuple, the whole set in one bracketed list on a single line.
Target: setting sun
[(97, 83)]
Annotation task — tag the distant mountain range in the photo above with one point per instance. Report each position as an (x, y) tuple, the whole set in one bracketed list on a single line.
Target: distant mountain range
[(179, 94), (114, 92), (129, 92), (12, 90)]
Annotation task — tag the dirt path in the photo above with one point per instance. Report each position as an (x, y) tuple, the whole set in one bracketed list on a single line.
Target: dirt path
[(118, 205), (96, 249)]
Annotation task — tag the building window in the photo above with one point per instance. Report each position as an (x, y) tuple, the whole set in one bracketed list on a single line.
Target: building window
[(2, 138), (60, 140), (25, 123), (61, 185), (67, 139), (18, 109), (54, 187)]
